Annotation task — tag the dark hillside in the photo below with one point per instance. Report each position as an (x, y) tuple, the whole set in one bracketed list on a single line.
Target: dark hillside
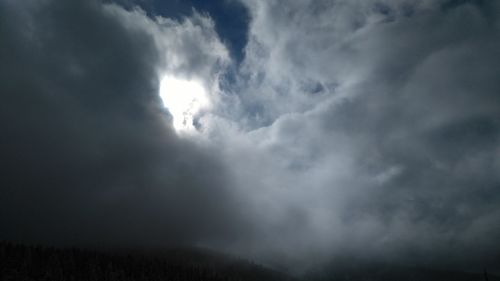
[(35, 263), (20, 262)]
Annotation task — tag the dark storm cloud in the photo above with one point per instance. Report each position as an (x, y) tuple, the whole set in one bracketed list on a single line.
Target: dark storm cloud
[(88, 155)]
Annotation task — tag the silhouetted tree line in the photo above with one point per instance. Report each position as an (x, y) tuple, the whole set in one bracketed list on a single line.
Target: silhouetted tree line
[(35, 263), (26, 263)]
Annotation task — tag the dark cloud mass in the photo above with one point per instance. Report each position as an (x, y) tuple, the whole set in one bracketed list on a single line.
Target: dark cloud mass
[(88, 155), (366, 129)]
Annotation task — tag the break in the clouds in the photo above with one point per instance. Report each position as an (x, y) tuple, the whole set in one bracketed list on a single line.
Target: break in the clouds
[(345, 129), (89, 156)]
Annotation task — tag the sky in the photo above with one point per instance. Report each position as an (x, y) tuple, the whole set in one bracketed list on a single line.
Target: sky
[(290, 132)]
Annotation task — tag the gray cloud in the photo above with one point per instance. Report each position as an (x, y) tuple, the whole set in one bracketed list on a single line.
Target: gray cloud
[(350, 128), (88, 154), (370, 128)]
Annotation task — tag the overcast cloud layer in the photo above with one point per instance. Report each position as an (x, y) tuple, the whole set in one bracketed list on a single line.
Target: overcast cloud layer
[(349, 128)]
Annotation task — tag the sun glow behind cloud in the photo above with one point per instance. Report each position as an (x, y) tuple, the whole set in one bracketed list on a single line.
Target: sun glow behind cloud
[(184, 99)]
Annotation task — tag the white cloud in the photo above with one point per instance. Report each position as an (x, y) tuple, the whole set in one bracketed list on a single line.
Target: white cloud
[(337, 132)]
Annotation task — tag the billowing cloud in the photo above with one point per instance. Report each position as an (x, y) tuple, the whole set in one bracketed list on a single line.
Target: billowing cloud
[(350, 128), (88, 152), (369, 128)]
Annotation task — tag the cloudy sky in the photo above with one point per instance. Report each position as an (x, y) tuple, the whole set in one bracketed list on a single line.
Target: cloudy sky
[(292, 132)]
